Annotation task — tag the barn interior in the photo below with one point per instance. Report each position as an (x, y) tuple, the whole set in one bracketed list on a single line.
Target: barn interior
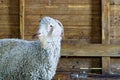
[(91, 38)]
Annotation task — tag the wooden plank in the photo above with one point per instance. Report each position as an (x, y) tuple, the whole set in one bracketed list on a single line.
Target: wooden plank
[(62, 12), (91, 76), (41, 8), (9, 31), (63, 1), (115, 31), (115, 21), (5, 9), (7, 26), (89, 50), (63, 7), (22, 12), (105, 65), (76, 64), (66, 19), (9, 18), (8, 22), (62, 76), (8, 6), (115, 65), (115, 2), (9, 11), (10, 2), (115, 41), (8, 36), (115, 13), (105, 21), (115, 7)]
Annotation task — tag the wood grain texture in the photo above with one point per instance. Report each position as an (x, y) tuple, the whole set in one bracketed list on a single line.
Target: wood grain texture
[(22, 22), (106, 21), (105, 65), (71, 14), (115, 66), (75, 64), (64, 1), (90, 50), (9, 19), (115, 22), (115, 2)]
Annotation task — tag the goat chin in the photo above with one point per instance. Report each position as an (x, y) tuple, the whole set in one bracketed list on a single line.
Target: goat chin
[(45, 41)]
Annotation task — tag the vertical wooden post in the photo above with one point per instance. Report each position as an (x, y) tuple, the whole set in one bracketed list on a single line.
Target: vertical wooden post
[(105, 34), (105, 21), (105, 65), (22, 11)]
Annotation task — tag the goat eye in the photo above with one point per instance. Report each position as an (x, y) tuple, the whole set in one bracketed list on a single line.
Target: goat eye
[(51, 26)]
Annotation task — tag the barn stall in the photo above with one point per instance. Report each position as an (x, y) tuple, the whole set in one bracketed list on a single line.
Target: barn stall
[(92, 35)]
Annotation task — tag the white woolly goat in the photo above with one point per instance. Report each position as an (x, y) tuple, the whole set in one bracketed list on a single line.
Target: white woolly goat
[(32, 60)]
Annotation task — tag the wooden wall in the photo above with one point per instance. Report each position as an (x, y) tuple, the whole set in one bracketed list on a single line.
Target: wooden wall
[(115, 21), (9, 19), (81, 18)]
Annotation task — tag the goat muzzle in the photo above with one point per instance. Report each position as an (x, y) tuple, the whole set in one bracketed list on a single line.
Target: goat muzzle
[(34, 35)]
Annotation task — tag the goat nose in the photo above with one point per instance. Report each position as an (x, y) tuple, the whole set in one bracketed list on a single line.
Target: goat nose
[(34, 35)]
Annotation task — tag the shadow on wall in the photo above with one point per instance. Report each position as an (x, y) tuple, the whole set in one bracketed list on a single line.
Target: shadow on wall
[(9, 20), (14, 18), (96, 28)]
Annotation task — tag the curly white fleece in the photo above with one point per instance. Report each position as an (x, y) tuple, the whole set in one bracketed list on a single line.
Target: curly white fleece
[(27, 60), (32, 60)]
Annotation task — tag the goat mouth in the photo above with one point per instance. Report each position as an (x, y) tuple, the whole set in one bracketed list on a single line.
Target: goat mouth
[(34, 35)]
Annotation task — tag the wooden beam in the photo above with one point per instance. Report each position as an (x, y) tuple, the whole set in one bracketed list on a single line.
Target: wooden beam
[(90, 50), (22, 11), (105, 21), (105, 65)]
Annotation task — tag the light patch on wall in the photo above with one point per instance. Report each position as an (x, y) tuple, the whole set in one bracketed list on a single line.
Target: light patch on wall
[(3, 6), (51, 6), (115, 7), (79, 6)]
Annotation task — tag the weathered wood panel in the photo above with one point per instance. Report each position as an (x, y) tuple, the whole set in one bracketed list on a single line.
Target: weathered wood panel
[(66, 76), (80, 13), (106, 21), (70, 65), (9, 19), (115, 65), (106, 65), (63, 1), (90, 50), (115, 2), (22, 18), (115, 22), (75, 64)]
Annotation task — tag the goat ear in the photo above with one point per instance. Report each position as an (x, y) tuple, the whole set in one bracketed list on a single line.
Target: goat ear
[(60, 24)]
